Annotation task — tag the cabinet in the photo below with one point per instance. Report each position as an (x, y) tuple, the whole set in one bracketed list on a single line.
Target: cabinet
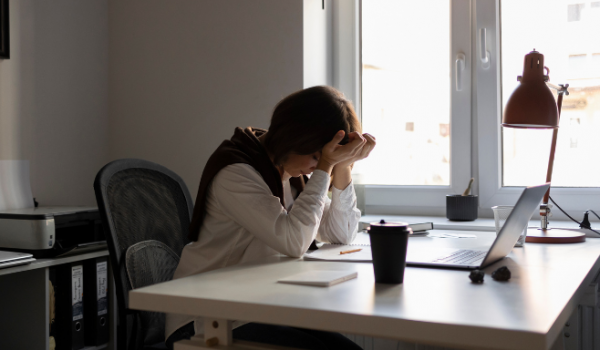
[(24, 304)]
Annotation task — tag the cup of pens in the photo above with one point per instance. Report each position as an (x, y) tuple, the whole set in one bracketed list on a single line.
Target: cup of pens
[(462, 207), (389, 242)]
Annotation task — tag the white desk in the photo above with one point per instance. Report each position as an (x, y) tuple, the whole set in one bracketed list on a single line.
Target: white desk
[(433, 306)]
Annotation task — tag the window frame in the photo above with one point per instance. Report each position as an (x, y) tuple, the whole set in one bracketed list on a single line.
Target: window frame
[(475, 111), (488, 115), (392, 199)]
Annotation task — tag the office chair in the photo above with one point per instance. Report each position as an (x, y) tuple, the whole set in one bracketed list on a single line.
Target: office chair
[(146, 210)]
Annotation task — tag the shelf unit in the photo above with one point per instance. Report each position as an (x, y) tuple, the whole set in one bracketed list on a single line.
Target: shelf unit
[(24, 304)]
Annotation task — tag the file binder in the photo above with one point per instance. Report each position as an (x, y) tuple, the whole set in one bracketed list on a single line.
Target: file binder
[(52, 308), (95, 301), (69, 307)]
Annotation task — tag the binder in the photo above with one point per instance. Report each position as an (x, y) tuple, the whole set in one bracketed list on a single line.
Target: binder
[(69, 306), (52, 308), (95, 301)]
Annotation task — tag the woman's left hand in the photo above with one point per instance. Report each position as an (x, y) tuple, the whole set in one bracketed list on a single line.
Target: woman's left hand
[(363, 153)]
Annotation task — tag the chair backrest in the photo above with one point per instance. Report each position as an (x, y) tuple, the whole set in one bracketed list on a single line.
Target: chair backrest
[(146, 211)]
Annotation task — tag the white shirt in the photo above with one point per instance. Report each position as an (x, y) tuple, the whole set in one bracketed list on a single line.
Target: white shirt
[(245, 222)]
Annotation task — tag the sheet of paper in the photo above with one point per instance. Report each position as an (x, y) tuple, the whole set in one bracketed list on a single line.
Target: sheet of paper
[(331, 252), (452, 235), (15, 188)]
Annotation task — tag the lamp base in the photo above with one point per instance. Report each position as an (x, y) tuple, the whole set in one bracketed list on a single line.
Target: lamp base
[(539, 235)]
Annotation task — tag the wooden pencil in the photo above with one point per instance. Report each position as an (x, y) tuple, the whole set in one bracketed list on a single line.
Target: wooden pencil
[(350, 251)]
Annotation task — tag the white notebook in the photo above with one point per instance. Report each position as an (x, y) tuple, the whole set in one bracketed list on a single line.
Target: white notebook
[(320, 278)]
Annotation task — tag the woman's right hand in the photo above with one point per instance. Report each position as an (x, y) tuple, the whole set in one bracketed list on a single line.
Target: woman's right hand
[(333, 153)]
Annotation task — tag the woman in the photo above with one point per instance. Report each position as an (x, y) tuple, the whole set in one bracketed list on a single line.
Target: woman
[(253, 201)]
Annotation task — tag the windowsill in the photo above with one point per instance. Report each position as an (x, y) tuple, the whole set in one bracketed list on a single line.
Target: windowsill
[(440, 222)]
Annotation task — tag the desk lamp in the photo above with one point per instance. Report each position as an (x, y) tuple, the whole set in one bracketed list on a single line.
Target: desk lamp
[(532, 106)]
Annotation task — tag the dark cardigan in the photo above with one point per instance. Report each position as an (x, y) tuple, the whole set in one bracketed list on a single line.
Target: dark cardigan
[(243, 147)]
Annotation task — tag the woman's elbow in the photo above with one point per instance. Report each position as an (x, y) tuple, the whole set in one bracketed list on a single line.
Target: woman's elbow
[(295, 249), (296, 253), (346, 235), (346, 240)]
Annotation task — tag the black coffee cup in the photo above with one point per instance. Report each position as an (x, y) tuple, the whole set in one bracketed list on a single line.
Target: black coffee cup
[(389, 241)]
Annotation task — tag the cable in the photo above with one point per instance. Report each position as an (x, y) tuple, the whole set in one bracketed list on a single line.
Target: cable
[(579, 223), (593, 212), (564, 212)]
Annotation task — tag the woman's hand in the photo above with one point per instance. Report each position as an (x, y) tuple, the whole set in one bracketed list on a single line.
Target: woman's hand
[(343, 170), (334, 153), (364, 152)]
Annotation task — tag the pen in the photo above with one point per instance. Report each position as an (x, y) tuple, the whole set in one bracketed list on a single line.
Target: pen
[(350, 251)]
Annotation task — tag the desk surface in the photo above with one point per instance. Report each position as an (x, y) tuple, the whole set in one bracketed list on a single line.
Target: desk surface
[(433, 306)]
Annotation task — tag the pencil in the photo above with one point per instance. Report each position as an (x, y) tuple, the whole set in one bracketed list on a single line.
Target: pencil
[(350, 251)]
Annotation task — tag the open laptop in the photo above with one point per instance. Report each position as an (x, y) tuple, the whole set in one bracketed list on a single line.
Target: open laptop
[(507, 237), (8, 259)]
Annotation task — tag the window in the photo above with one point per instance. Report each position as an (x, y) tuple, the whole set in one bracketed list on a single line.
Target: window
[(519, 158), (569, 63), (458, 116), (406, 82), (595, 69), (411, 83), (577, 65)]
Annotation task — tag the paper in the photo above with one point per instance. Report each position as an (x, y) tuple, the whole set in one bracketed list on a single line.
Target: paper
[(451, 235), (331, 252), (15, 188)]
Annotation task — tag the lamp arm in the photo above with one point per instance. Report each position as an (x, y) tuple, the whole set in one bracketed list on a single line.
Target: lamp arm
[(561, 89), (544, 209)]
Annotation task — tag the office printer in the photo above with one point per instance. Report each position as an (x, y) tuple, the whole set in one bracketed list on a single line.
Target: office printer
[(51, 231)]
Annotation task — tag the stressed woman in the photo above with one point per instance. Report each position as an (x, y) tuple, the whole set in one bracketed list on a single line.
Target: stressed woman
[(254, 201)]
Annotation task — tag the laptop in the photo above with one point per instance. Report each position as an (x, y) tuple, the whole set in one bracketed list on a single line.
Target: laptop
[(516, 222), (8, 259)]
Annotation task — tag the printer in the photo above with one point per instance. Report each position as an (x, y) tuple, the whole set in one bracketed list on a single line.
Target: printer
[(51, 231)]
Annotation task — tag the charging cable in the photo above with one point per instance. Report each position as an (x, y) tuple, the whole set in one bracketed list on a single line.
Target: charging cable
[(583, 224)]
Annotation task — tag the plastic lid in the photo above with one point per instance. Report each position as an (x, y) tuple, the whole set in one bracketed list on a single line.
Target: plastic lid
[(391, 227)]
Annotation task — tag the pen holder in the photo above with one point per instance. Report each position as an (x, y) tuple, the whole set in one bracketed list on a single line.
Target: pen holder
[(461, 208)]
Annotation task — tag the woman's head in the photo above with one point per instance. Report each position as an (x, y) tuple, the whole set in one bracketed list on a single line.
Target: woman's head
[(305, 121)]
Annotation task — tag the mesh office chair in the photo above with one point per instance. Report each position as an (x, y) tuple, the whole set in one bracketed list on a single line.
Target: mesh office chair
[(146, 210)]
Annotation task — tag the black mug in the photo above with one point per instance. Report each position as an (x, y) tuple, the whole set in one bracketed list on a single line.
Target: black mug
[(389, 242)]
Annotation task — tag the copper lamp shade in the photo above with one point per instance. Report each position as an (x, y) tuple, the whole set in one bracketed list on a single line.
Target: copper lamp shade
[(532, 104)]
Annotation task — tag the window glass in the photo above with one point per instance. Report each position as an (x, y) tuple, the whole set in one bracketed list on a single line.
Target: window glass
[(405, 92), (577, 65), (566, 33), (595, 69)]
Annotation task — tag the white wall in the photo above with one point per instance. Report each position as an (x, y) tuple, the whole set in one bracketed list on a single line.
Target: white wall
[(96, 80), (183, 74), (54, 96)]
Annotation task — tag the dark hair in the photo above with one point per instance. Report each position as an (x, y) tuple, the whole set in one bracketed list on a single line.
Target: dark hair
[(306, 120)]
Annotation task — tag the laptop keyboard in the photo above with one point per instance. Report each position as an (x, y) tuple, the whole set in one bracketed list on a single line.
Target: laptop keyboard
[(462, 257)]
